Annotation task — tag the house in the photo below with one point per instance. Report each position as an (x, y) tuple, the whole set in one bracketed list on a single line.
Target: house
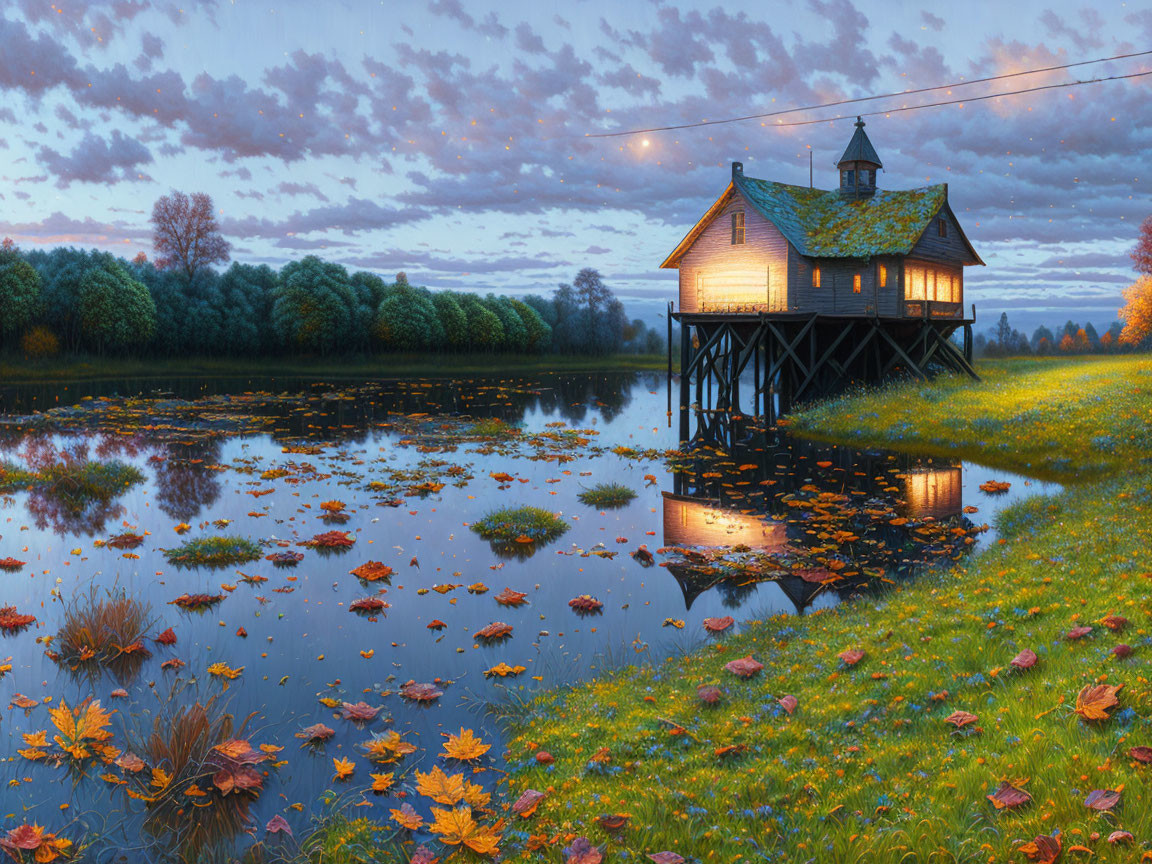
[(858, 250)]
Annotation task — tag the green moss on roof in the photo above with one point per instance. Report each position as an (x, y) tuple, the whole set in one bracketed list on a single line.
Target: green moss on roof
[(824, 224)]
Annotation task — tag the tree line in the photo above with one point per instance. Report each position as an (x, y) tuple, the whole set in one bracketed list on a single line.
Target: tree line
[(1004, 340), (88, 301)]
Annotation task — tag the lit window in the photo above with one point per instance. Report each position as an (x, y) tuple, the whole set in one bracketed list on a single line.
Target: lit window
[(815, 277), (856, 283), (942, 227), (738, 228), (883, 276)]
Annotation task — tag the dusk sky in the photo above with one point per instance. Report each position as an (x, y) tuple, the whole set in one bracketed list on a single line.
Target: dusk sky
[(447, 138)]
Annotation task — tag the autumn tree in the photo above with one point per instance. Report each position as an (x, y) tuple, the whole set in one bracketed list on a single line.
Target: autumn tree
[(1142, 254), (1137, 312), (314, 306), (185, 235)]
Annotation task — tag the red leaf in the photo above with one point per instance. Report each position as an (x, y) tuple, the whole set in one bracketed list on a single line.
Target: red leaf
[(420, 692), (1122, 650), (852, 656), (495, 630), (789, 703), (1102, 799), (1141, 754), (1026, 659), (718, 625), (508, 597), (709, 694), (1115, 623), (360, 712), (1009, 797), (1045, 849), (1120, 837), (745, 667), (318, 732), (960, 719), (277, 824), (666, 858), (1078, 632), (585, 603)]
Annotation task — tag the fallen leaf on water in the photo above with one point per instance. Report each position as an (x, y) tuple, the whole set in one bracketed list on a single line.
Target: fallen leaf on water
[(464, 746)]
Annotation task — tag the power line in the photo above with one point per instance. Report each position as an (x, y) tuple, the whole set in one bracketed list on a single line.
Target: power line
[(860, 99), (971, 98)]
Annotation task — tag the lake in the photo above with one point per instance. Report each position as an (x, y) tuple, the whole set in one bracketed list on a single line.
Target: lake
[(772, 525)]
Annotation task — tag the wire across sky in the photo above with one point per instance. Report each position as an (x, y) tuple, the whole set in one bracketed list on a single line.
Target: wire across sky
[(861, 99)]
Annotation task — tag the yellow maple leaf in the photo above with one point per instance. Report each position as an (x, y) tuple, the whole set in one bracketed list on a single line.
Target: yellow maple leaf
[(409, 818), (465, 746), (36, 739), (89, 722), (457, 827), (440, 787), (223, 670), (475, 795), (382, 782), (344, 767), (388, 748)]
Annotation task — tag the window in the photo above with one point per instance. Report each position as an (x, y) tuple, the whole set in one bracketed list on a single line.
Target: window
[(851, 178), (942, 227), (883, 274), (855, 283), (930, 283), (815, 277), (738, 228)]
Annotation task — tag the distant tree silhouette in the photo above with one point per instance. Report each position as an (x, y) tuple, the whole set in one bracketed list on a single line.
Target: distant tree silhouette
[(185, 235), (1142, 254)]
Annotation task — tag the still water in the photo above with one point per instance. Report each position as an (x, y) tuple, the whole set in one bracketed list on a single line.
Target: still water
[(811, 524)]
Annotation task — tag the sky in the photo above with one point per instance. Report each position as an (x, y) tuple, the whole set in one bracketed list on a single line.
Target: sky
[(449, 139)]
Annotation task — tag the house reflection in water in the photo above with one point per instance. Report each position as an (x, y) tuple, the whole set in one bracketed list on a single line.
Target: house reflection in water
[(935, 492), (697, 522)]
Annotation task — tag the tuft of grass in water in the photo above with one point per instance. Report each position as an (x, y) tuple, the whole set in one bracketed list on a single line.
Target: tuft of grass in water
[(520, 530), (341, 839), (180, 742), (865, 768), (214, 552), (76, 483), (607, 496), (493, 427), (105, 628)]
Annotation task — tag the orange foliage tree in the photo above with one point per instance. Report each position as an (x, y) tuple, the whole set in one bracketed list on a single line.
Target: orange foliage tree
[(1137, 312)]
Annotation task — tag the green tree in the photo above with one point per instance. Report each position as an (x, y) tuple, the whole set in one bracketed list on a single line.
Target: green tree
[(243, 304), (19, 291), (484, 329), (515, 333), (115, 311), (539, 333), (452, 319), (314, 307), (408, 321)]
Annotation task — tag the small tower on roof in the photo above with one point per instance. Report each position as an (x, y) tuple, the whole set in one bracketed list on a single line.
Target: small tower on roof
[(858, 165)]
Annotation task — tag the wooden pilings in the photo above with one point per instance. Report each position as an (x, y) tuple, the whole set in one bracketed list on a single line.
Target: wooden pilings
[(794, 358)]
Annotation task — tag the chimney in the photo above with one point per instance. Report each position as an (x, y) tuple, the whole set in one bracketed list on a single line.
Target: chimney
[(737, 170)]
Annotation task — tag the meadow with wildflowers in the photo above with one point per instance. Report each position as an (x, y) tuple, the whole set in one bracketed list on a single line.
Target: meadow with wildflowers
[(998, 711)]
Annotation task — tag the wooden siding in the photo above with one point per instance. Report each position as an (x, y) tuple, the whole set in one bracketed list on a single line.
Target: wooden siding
[(942, 250), (835, 295), (764, 251)]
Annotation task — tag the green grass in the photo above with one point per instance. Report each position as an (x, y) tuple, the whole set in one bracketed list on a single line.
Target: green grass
[(607, 496), (15, 370), (1053, 418), (76, 483), (866, 769), (520, 531), (214, 552)]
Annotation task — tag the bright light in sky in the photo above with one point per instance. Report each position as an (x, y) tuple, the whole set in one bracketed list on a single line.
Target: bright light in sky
[(644, 142)]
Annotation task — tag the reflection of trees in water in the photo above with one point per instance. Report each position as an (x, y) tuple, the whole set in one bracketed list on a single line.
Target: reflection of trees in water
[(185, 487)]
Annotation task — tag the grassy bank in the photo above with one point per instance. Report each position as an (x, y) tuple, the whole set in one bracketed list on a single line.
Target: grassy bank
[(865, 767), (1054, 418), (15, 370)]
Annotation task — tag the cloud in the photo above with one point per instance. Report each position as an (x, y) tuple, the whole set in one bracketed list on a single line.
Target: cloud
[(934, 22), (352, 217), (294, 189), (61, 230), (97, 160)]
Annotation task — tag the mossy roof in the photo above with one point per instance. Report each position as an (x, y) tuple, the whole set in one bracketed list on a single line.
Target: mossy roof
[(824, 224)]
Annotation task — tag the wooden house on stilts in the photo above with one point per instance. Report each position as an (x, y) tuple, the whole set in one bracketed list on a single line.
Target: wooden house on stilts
[(821, 287)]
